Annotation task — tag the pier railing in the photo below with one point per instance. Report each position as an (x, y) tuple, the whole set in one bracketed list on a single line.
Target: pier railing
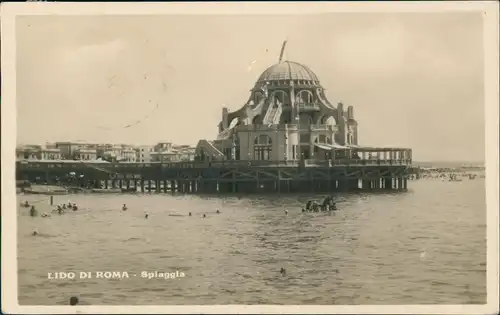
[(215, 164)]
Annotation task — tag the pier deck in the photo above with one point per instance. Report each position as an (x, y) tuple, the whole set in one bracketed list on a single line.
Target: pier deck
[(227, 176)]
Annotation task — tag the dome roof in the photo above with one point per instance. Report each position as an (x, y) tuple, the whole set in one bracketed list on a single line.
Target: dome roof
[(288, 70)]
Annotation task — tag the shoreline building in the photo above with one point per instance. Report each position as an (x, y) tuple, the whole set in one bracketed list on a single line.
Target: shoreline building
[(287, 117)]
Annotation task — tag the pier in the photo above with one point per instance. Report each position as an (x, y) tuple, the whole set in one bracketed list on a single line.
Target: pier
[(286, 138), (226, 177)]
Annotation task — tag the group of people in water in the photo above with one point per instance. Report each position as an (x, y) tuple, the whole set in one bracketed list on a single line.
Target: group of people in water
[(61, 209), (327, 205)]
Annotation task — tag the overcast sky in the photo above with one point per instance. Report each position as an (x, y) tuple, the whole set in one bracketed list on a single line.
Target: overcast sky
[(414, 79)]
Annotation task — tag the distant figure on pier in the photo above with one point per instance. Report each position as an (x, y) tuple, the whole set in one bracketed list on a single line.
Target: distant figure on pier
[(283, 271), (124, 208), (217, 211), (189, 213), (146, 216), (73, 300), (204, 215)]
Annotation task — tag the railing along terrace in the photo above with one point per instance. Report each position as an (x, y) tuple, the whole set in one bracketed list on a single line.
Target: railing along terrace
[(216, 164), (263, 127)]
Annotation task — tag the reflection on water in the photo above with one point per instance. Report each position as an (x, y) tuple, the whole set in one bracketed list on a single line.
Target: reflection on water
[(427, 246)]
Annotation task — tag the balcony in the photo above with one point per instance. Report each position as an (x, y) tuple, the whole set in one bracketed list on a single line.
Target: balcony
[(308, 106)]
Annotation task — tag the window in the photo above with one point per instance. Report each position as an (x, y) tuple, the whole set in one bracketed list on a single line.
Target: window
[(262, 148)]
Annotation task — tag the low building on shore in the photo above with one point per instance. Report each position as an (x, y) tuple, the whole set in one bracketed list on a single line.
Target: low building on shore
[(50, 154), (85, 154), (37, 152)]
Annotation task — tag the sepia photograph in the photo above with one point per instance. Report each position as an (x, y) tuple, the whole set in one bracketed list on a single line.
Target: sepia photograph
[(250, 157)]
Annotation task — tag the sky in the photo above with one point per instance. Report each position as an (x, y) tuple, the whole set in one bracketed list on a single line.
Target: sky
[(415, 79)]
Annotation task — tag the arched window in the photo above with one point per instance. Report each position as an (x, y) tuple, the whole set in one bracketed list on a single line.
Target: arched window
[(327, 120), (262, 147), (280, 97), (304, 97)]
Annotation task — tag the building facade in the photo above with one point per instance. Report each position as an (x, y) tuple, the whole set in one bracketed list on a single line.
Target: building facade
[(287, 117), (37, 152), (143, 153)]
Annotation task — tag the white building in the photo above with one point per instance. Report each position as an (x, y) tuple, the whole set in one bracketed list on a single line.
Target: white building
[(143, 153)]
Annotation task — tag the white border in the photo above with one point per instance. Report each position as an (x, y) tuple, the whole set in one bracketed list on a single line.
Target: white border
[(9, 224)]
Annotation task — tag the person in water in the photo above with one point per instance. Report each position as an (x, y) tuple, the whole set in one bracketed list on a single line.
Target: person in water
[(35, 233), (308, 205), (63, 206), (204, 215), (32, 211), (124, 207), (283, 271), (217, 211), (286, 212), (26, 204), (73, 300), (146, 216), (189, 213)]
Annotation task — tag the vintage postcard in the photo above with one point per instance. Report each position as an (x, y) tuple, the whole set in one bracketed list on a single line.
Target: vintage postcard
[(217, 158)]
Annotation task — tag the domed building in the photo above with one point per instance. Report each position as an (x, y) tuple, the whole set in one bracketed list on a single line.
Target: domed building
[(287, 117)]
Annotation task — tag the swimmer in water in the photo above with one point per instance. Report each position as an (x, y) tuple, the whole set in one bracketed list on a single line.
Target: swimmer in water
[(204, 215), (26, 204), (146, 216), (124, 208), (283, 271), (63, 206), (286, 212), (217, 211), (35, 233), (73, 300), (189, 213)]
